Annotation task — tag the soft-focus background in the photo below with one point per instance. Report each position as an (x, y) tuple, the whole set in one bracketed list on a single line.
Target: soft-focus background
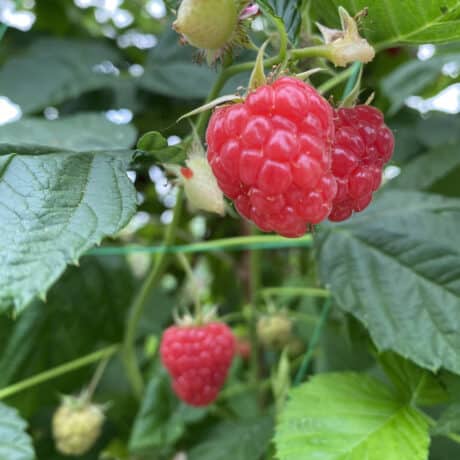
[(99, 73)]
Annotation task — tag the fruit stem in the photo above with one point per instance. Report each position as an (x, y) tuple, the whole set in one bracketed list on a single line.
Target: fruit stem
[(58, 371), (334, 81), (323, 51), (131, 364), (356, 68), (195, 286), (89, 392), (254, 282), (313, 342)]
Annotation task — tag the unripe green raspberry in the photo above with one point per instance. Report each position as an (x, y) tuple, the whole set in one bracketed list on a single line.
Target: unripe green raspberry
[(76, 426), (207, 24), (274, 331)]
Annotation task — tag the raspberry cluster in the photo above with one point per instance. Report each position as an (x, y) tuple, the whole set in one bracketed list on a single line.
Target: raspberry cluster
[(289, 161), (198, 359)]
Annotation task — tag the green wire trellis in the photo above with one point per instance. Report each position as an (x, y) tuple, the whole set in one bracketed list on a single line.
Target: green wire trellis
[(243, 243)]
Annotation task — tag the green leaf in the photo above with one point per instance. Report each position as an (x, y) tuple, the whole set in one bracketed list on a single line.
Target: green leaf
[(413, 383), (171, 70), (244, 439), (89, 303), (449, 422), (156, 145), (397, 269), (349, 416), (15, 443), (162, 419), (288, 11), (426, 170), (411, 78), (392, 21), (53, 208), (80, 132), (52, 71)]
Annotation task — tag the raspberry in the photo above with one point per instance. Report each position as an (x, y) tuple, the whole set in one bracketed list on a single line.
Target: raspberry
[(363, 144), (76, 426), (198, 359), (271, 155)]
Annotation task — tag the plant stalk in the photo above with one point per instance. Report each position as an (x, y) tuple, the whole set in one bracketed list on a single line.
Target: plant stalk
[(130, 361), (105, 353)]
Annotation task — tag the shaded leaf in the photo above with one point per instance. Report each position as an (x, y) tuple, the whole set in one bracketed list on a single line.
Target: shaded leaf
[(54, 207), (352, 416), (80, 132), (244, 439), (15, 443), (412, 78), (288, 11), (392, 21), (172, 70), (53, 70), (153, 143), (162, 418), (397, 269), (413, 383), (449, 422)]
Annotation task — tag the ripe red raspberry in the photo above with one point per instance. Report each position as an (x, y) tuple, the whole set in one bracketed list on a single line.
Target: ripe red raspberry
[(271, 155), (198, 358), (363, 144)]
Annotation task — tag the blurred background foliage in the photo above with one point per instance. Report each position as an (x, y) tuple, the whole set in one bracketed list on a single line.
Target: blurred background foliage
[(118, 70)]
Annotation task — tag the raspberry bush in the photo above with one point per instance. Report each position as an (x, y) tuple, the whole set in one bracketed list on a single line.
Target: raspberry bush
[(229, 230)]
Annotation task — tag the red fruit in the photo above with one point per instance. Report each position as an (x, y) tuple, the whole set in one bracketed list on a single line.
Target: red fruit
[(243, 348), (271, 155), (198, 359), (363, 144)]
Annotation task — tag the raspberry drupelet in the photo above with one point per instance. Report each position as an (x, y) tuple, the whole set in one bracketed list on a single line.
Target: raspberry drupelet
[(271, 155), (363, 144)]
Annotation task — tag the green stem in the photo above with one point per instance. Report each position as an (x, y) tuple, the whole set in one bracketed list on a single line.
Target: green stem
[(254, 282), (355, 67), (323, 51), (313, 342), (294, 292), (129, 344), (333, 82), (105, 353), (192, 279)]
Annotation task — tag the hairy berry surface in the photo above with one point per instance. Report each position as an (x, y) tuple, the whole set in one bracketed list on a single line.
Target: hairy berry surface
[(271, 155), (363, 144), (198, 359)]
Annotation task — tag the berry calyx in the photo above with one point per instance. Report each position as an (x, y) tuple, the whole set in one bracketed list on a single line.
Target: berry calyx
[(363, 145), (271, 155), (198, 358), (77, 425)]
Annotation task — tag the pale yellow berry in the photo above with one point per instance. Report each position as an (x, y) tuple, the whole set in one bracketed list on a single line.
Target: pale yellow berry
[(274, 331), (76, 427)]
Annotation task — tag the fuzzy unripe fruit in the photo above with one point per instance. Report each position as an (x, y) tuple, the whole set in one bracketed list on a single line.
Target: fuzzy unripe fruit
[(77, 426), (274, 331), (207, 24)]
